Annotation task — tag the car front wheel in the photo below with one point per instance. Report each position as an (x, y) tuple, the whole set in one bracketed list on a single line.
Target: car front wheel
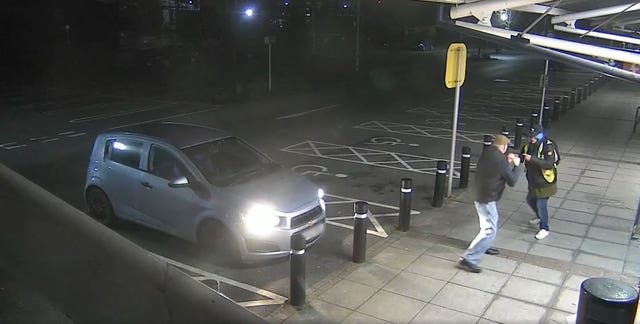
[(100, 206)]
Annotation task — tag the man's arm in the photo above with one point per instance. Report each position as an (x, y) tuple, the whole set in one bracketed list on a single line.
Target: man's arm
[(510, 173)]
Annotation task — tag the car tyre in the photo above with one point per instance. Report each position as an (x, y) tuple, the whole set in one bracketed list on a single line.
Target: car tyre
[(100, 207), (216, 240)]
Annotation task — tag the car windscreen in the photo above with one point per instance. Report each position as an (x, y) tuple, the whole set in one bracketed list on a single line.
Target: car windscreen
[(229, 160)]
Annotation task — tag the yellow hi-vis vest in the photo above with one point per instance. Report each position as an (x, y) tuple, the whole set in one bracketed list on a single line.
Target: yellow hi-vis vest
[(549, 175)]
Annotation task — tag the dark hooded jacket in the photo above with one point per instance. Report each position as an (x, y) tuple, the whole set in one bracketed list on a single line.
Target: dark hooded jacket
[(493, 171)]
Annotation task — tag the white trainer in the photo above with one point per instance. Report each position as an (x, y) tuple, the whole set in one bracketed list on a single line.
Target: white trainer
[(534, 221), (543, 233)]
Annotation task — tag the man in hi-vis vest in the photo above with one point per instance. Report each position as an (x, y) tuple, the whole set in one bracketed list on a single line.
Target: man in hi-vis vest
[(541, 159)]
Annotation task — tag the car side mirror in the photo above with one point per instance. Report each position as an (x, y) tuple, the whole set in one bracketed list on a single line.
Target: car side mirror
[(180, 182)]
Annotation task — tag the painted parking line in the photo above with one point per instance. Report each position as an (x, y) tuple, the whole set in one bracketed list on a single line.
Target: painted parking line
[(360, 155), (421, 130), (200, 275), (117, 114), (472, 115), (300, 114), (11, 145), (378, 230)]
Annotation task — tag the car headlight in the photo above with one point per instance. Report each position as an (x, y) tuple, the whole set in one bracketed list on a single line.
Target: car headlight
[(321, 198), (260, 219)]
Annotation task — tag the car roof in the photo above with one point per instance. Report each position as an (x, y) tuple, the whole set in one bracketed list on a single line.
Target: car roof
[(180, 135)]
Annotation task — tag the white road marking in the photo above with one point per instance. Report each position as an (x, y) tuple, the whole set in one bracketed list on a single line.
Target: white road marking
[(38, 138), (50, 140), (379, 230), (476, 116), (113, 114), (11, 147), (273, 298), (421, 130), (164, 118), (385, 159), (77, 134), (300, 114)]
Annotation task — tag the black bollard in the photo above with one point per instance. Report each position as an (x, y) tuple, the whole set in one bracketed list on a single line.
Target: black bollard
[(546, 115), (572, 99), (361, 209), (590, 87), (465, 165), (584, 92), (504, 131), (297, 272), (518, 135), (534, 118), (555, 115), (565, 103), (604, 300), (578, 96), (404, 219), (487, 140), (441, 176)]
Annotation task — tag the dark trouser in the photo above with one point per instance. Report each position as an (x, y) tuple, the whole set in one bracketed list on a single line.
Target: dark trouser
[(539, 206)]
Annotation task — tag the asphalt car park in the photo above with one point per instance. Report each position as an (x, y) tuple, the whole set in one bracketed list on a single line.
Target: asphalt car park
[(353, 149)]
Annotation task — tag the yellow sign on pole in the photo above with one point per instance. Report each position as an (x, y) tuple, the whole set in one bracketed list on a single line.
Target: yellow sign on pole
[(456, 65)]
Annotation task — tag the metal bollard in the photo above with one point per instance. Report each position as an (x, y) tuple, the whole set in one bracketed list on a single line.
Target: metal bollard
[(591, 87), (584, 92), (465, 165), (572, 99), (546, 115), (578, 96), (441, 176), (297, 272), (604, 300), (404, 219), (518, 135), (555, 115), (487, 140), (361, 209), (565, 103), (534, 118)]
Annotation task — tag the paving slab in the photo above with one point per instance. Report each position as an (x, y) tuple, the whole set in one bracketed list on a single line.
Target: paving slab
[(507, 310), (530, 271), (392, 307), (437, 314), (529, 290), (415, 286), (475, 302)]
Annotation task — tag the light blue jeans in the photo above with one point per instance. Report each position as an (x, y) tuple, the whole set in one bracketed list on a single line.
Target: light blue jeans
[(488, 218)]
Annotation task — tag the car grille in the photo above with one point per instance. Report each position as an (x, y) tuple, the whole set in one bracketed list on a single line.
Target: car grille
[(306, 217)]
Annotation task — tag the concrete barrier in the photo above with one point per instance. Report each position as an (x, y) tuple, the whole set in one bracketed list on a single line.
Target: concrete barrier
[(93, 274)]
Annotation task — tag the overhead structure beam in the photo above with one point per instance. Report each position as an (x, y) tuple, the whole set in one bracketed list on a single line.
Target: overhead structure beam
[(613, 37), (563, 45), (595, 13), (542, 9), (471, 9)]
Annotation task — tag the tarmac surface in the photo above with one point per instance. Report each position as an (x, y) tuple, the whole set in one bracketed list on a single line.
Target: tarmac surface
[(411, 277)]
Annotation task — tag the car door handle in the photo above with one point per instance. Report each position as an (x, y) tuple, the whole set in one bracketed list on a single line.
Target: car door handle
[(146, 184)]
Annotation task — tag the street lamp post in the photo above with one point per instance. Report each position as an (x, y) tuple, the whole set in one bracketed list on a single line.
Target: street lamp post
[(269, 40)]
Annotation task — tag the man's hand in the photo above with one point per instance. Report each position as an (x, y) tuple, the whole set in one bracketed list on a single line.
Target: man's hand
[(516, 160), (527, 157)]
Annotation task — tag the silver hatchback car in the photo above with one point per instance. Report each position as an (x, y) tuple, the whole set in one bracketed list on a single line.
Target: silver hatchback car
[(204, 186)]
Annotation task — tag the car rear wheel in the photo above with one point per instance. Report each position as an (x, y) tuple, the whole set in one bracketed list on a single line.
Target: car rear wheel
[(216, 239), (100, 206)]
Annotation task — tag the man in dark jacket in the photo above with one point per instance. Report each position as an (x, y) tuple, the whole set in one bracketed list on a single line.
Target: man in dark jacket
[(541, 157), (494, 169)]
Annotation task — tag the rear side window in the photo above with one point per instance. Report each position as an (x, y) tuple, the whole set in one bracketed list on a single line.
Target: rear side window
[(123, 151)]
